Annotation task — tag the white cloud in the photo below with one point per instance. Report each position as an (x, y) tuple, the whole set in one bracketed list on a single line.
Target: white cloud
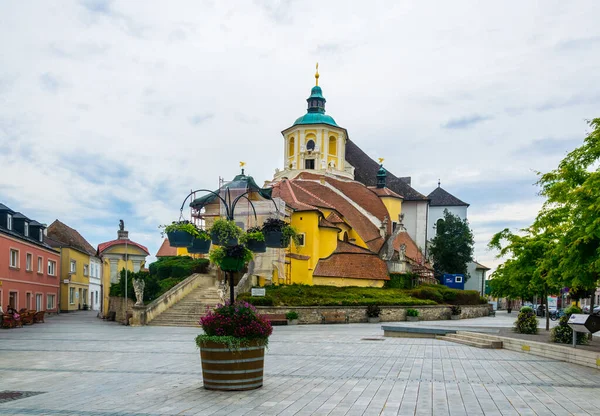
[(176, 95)]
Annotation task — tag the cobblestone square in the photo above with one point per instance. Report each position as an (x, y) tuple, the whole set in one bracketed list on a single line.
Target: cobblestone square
[(88, 367)]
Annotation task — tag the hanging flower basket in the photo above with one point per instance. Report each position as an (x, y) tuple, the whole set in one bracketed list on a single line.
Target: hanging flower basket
[(232, 264), (225, 233), (256, 246), (278, 233), (199, 246), (180, 233), (254, 239), (230, 259)]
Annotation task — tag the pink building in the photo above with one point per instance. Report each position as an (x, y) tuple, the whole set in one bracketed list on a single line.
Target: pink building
[(29, 268)]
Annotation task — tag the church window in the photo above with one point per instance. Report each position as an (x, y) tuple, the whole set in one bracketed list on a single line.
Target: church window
[(333, 146), (291, 146), (438, 225), (310, 145)]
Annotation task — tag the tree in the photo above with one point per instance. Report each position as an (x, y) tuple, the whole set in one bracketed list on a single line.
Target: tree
[(452, 247), (572, 212)]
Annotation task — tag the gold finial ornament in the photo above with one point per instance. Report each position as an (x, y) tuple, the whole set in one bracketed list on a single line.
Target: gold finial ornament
[(242, 164), (381, 160), (317, 75)]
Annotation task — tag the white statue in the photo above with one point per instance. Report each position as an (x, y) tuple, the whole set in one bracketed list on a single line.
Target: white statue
[(294, 164), (138, 287), (323, 164), (332, 164)]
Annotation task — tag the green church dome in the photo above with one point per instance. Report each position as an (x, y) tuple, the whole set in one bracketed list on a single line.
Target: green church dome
[(316, 109)]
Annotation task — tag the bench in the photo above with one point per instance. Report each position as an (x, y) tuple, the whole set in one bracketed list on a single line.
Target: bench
[(334, 317), (276, 318)]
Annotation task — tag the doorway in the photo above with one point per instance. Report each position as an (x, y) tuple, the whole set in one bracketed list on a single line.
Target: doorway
[(309, 164)]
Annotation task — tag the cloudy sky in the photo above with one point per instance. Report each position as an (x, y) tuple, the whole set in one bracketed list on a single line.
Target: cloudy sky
[(116, 109)]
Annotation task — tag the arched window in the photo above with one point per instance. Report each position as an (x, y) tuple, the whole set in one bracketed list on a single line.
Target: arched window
[(438, 225), (346, 236), (310, 145), (333, 146), (292, 145)]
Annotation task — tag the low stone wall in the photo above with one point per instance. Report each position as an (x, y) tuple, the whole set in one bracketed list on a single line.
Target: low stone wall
[(115, 304), (142, 315), (560, 352), (357, 314)]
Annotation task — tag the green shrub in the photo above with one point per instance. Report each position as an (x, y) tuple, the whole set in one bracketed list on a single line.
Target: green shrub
[(373, 311), (400, 281), (563, 334), (526, 322), (449, 296), (256, 300), (428, 293), (291, 315), (412, 312), (526, 309), (178, 267), (304, 295), (483, 300)]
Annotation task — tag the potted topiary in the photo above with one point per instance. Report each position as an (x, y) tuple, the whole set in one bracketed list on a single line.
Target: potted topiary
[(225, 233), (180, 233), (373, 312), (230, 259), (292, 318), (254, 239), (232, 347), (278, 233), (412, 315), (455, 312), (200, 243)]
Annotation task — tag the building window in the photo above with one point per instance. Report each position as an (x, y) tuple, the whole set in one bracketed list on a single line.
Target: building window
[(86, 269), (71, 295), (51, 268), (458, 279), (28, 300), (26, 229), (41, 235), (73, 268), (29, 262), (50, 299), (96, 298), (40, 264), (438, 225), (9, 221), (301, 239), (394, 225), (39, 302), (292, 145), (14, 258), (310, 145)]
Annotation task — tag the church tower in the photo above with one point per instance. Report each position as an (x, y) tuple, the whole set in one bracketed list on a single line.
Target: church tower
[(315, 143)]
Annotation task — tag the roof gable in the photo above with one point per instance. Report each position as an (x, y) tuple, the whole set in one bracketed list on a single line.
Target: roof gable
[(67, 236), (442, 198)]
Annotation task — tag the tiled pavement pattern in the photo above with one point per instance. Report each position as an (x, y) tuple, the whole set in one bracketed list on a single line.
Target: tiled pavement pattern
[(91, 368)]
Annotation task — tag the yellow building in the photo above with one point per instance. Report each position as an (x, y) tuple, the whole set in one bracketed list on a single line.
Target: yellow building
[(351, 234), (76, 254), (117, 255)]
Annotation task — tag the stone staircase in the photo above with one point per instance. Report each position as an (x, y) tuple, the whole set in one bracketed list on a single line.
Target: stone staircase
[(189, 310), (472, 339)]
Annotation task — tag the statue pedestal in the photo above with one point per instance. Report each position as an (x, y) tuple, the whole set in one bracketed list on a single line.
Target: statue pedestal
[(139, 316)]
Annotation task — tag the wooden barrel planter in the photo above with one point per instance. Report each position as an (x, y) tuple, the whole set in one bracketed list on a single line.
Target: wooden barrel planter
[(223, 369)]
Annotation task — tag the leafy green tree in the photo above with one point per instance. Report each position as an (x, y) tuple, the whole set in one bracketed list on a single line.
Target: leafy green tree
[(572, 213), (452, 247)]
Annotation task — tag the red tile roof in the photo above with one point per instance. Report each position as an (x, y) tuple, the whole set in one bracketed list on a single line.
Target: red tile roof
[(104, 246), (352, 266), (61, 235), (335, 219), (344, 247), (326, 224), (166, 250), (297, 256)]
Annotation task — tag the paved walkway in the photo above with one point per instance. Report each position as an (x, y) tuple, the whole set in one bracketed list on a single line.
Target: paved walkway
[(83, 366)]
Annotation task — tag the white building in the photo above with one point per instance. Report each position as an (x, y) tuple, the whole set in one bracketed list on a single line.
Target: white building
[(95, 288)]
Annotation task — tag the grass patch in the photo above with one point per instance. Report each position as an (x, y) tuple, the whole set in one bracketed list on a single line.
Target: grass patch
[(304, 295)]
